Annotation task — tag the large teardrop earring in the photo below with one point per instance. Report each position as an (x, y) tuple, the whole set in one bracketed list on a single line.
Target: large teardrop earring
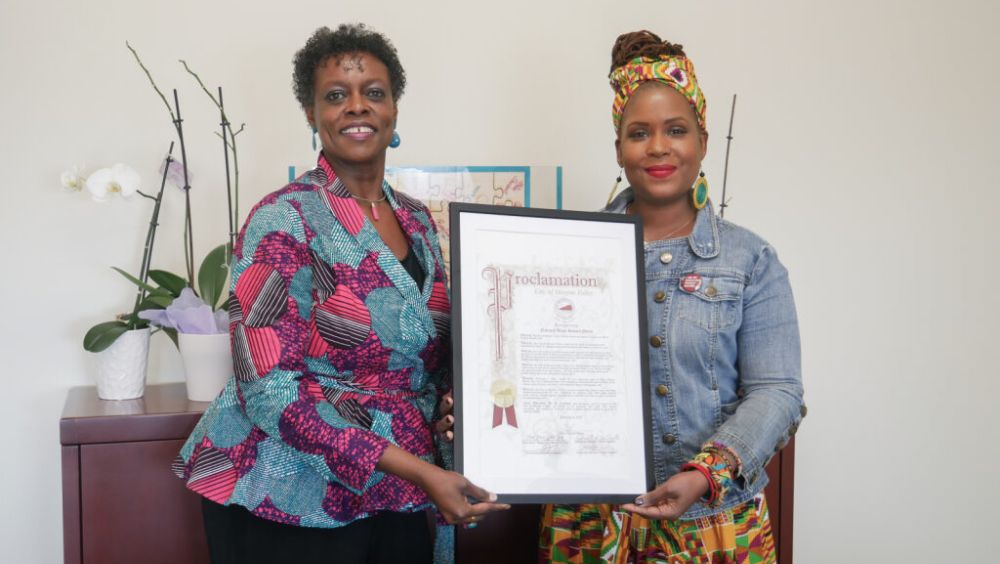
[(395, 141), (614, 189), (314, 132), (699, 192)]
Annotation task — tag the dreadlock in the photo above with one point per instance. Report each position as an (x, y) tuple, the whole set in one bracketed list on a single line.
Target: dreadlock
[(643, 43)]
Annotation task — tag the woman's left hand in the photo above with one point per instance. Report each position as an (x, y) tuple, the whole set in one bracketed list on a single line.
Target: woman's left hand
[(671, 498), (447, 422)]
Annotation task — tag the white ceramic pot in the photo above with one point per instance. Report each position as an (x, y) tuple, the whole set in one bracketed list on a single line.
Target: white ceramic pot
[(121, 368), (208, 364)]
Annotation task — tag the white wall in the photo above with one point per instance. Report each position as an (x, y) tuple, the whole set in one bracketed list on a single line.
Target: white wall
[(865, 151)]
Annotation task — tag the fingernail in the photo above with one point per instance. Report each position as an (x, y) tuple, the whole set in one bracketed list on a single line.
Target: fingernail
[(639, 500), (505, 506), (493, 496), (449, 401), (449, 419)]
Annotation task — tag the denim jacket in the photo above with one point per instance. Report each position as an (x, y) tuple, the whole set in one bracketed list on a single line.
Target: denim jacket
[(724, 354)]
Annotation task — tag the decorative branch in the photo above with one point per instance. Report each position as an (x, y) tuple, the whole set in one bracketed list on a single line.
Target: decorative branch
[(229, 144), (224, 124), (176, 119), (200, 83), (725, 173), (151, 81), (188, 230), (147, 252)]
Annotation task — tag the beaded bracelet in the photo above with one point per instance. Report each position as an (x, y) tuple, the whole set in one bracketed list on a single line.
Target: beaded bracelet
[(729, 454)]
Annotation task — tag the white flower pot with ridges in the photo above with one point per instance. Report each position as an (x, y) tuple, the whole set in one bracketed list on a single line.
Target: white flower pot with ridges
[(121, 368), (208, 364)]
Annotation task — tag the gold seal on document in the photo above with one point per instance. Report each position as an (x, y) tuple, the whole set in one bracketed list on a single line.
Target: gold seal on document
[(503, 393)]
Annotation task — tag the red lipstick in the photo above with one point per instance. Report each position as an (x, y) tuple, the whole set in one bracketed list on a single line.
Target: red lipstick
[(660, 171)]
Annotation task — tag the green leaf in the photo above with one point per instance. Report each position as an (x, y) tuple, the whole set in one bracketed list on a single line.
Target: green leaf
[(172, 333), (133, 321), (169, 281), (134, 280), (154, 301), (212, 275), (102, 335)]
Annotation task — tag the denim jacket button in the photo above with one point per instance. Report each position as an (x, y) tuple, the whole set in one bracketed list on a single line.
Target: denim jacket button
[(669, 439), (662, 390), (803, 410), (656, 341), (711, 291), (659, 296), (666, 257)]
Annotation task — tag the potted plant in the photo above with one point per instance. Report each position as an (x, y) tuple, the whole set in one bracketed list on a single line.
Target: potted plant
[(122, 345), (194, 319), (201, 325)]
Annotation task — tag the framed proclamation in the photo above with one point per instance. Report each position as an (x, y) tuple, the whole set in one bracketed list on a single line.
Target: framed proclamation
[(550, 362)]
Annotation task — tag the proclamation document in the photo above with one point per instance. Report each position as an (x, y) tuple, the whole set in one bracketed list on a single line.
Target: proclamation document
[(552, 402)]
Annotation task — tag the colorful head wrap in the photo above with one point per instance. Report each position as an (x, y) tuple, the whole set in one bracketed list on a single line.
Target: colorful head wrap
[(674, 71)]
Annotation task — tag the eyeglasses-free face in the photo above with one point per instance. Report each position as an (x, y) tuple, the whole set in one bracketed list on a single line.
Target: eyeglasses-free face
[(660, 145), (353, 110)]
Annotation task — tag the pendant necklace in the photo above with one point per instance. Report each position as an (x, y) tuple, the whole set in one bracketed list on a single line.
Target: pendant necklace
[(372, 204)]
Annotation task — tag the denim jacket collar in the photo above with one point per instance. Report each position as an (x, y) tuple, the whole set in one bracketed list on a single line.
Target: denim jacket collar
[(704, 238)]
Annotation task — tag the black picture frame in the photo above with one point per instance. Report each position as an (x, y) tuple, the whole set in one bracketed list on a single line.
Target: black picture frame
[(456, 212)]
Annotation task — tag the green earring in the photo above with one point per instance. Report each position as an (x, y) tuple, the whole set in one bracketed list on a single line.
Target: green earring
[(699, 192)]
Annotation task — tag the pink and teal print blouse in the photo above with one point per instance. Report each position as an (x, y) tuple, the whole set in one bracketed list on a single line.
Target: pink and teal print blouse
[(337, 354)]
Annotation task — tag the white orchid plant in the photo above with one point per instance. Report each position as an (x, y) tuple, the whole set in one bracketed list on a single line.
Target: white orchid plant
[(163, 298)]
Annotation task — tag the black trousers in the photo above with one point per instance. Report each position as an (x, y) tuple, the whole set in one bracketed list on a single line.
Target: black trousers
[(235, 536)]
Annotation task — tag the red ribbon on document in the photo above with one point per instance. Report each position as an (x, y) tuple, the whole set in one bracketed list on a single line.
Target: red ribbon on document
[(498, 413)]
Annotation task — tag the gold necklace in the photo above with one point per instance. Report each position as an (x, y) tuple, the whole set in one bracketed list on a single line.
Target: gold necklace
[(628, 210), (678, 230), (371, 203)]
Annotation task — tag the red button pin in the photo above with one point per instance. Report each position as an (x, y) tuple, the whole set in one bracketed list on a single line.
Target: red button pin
[(691, 282)]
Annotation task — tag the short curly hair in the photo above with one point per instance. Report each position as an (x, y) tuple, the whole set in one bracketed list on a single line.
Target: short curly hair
[(349, 38)]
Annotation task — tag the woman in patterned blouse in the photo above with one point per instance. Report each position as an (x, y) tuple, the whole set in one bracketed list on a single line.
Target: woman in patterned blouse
[(321, 448)]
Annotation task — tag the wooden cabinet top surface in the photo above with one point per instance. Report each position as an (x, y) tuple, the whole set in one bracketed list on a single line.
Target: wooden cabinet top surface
[(164, 412)]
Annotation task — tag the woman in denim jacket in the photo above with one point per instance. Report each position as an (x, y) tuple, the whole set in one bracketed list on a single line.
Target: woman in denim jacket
[(724, 341)]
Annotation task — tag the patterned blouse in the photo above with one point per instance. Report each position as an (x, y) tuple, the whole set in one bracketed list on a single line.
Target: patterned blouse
[(337, 354)]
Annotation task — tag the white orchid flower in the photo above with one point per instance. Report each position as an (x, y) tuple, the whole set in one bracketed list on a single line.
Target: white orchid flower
[(119, 178), (72, 179)]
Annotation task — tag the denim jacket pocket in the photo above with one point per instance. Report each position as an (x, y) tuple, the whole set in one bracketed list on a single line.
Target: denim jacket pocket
[(715, 304)]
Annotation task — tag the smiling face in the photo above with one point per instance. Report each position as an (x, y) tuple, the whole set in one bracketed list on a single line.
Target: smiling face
[(353, 109), (660, 145)]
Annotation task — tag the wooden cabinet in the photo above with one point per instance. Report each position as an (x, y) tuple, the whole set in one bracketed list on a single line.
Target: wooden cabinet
[(122, 504)]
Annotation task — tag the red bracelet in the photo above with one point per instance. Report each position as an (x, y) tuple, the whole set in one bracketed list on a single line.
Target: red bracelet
[(712, 488)]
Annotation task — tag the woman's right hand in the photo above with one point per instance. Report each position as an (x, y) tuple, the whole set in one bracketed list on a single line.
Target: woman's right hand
[(451, 491)]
